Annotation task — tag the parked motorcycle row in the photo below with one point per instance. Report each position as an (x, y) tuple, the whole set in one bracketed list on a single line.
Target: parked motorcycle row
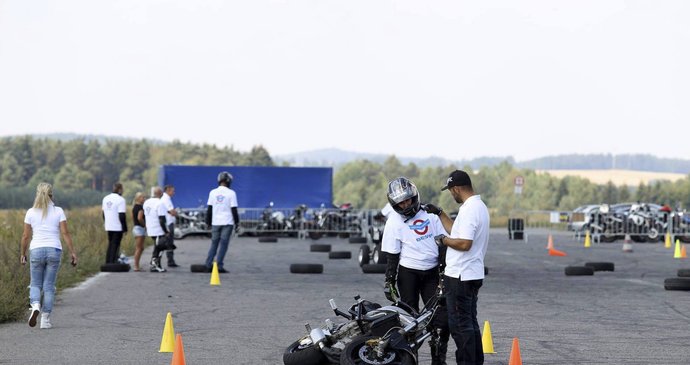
[(643, 222), (342, 221)]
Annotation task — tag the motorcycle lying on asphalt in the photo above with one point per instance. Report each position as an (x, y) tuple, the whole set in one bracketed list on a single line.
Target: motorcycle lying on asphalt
[(371, 334)]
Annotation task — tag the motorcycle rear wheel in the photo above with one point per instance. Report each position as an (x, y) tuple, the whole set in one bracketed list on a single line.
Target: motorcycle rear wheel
[(358, 352), (297, 354)]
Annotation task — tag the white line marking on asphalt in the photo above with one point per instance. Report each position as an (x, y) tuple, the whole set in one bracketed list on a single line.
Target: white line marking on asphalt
[(639, 281), (90, 281)]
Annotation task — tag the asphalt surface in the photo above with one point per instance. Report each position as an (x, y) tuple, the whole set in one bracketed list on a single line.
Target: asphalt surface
[(620, 317)]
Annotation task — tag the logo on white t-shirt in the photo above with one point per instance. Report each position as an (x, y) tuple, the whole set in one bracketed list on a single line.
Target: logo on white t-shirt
[(109, 204), (219, 199), (420, 227)]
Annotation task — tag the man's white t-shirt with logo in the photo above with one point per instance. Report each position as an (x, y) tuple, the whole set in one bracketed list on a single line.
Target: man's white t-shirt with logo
[(113, 205), (45, 231), (167, 203), (472, 223), (222, 200), (152, 210), (413, 240)]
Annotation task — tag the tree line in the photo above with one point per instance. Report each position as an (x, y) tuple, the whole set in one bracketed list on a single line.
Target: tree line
[(82, 170), (363, 183)]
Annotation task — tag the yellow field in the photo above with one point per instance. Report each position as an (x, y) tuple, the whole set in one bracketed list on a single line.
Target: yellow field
[(618, 177)]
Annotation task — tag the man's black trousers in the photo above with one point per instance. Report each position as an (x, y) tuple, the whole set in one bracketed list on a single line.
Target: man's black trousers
[(462, 320), (114, 239)]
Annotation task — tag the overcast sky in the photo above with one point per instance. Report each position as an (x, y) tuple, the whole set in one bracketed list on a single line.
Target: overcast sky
[(455, 79)]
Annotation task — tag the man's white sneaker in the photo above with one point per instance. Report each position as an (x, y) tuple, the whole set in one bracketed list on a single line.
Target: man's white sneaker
[(45, 320), (33, 316)]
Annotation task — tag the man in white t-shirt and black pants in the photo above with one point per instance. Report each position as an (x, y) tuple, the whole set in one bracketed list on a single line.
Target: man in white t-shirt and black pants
[(156, 228), (222, 216), (464, 274), (115, 219), (413, 257), (170, 215)]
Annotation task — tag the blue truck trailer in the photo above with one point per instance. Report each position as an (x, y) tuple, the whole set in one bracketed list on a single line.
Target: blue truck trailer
[(256, 186), (282, 189)]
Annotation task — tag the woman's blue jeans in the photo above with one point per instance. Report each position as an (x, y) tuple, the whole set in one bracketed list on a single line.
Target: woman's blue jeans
[(45, 263)]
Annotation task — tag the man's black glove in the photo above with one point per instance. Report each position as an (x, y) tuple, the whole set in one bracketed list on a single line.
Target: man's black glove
[(390, 291), (432, 209), (439, 240)]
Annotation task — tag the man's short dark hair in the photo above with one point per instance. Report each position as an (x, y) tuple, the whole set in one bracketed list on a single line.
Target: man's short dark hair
[(168, 187), (117, 187)]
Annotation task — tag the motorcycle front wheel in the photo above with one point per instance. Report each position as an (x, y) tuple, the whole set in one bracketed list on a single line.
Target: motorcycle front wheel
[(300, 353), (362, 351)]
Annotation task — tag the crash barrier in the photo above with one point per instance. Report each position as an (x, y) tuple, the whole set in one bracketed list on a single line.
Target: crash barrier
[(299, 222), (642, 225)]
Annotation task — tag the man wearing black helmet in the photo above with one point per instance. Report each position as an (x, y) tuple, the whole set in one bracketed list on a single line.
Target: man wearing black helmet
[(222, 216), (413, 257)]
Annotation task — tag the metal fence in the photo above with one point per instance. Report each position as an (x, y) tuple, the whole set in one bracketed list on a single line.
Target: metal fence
[(605, 226), (301, 222)]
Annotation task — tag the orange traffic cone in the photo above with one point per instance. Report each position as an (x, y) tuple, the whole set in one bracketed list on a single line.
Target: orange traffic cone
[(554, 252), (515, 358), (683, 253), (549, 246), (178, 354)]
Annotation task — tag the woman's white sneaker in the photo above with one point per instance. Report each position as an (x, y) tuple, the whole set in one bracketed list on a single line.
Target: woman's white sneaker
[(33, 316), (45, 320)]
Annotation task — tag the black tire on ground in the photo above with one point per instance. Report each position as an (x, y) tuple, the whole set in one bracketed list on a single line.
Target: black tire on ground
[(358, 240), (486, 270), (600, 266), (198, 268), (684, 238), (363, 257), (303, 355), (353, 352), (115, 267), (379, 257), (268, 239), (315, 235), (320, 247), (677, 284), (684, 273), (578, 271), (339, 255), (306, 268), (374, 268)]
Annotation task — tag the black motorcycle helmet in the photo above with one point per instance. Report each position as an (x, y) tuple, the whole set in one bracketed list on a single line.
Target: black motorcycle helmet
[(225, 177), (399, 190)]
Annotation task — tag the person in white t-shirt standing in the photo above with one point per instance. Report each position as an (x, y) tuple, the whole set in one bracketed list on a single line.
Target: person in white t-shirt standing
[(170, 215), (115, 219), (222, 216), (156, 228), (464, 274), (43, 224), (413, 257)]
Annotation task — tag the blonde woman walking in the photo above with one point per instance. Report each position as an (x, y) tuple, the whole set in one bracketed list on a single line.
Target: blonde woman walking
[(43, 224)]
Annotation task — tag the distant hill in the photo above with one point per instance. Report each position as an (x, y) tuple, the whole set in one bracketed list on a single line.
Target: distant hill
[(639, 162), (335, 157)]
